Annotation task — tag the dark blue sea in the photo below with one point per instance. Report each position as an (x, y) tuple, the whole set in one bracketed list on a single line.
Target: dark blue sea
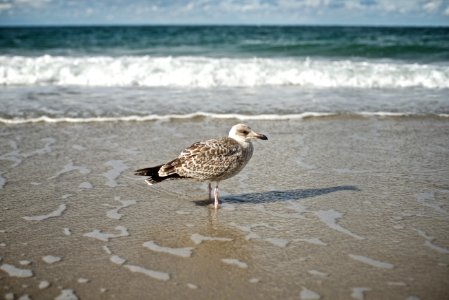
[(97, 73)]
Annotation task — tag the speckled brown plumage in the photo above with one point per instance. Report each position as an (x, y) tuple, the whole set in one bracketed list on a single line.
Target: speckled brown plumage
[(212, 160)]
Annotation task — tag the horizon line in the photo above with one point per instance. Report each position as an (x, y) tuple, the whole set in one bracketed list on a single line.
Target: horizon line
[(221, 25)]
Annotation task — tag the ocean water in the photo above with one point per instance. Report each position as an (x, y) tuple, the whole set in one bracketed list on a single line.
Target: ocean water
[(322, 202), (248, 72)]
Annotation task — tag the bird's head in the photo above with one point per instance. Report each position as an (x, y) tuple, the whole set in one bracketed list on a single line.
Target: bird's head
[(243, 133)]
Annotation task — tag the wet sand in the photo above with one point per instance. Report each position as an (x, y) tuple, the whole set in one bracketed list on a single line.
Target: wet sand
[(330, 208)]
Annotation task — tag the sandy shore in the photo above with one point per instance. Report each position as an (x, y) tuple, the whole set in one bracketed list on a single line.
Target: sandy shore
[(330, 208)]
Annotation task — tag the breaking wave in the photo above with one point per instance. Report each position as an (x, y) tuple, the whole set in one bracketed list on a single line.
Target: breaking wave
[(205, 72)]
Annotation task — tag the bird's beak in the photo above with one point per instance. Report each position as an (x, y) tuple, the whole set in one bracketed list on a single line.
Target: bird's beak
[(255, 135)]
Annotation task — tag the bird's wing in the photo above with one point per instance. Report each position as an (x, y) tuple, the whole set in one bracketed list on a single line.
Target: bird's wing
[(205, 159)]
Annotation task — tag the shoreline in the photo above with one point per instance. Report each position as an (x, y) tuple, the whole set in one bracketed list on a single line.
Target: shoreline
[(206, 116)]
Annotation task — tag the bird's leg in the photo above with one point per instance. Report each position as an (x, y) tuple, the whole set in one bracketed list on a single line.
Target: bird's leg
[(210, 192), (216, 196)]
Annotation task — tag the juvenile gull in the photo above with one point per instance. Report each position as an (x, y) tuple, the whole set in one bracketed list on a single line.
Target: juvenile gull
[(212, 160)]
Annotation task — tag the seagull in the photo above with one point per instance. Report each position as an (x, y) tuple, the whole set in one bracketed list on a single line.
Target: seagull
[(210, 161)]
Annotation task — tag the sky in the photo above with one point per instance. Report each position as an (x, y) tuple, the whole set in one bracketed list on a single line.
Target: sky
[(255, 12)]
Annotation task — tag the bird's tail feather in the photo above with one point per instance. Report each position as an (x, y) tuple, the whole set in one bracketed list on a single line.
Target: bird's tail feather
[(153, 175)]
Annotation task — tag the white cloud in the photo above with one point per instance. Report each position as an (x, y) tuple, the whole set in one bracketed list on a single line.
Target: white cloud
[(388, 7), (301, 4), (296, 10), (9, 5), (5, 6), (34, 3), (397, 6), (354, 5), (432, 5), (232, 11), (369, 6), (243, 6)]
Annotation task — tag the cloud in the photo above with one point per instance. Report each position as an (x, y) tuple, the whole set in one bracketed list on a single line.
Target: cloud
[(302, 4), (432, 5), (354, 5), (286, 11), (362, 6), (12, 4), (393, 7), (33, 3), (5, 6), (243, 6), (226, 11)]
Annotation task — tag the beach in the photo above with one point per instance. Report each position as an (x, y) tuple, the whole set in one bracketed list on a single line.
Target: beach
[(347, 199), (334, 207)]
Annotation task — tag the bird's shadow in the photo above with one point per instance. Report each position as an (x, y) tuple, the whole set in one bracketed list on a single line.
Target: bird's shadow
[(276, 196)]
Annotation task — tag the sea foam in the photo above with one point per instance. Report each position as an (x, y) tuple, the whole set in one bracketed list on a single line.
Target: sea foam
[(67, 294), (13, 271), (43, 284), (208, 72), (182, 252), (330, 217), (50, 259), (358, 293), (114, 213), (235, 262), (196, 115), (429, 242), (118, 167), (105, 236), (371, 262), (151, 273), (57, 213), (307, 294), (69, 168), (117, 260), (198, 238)]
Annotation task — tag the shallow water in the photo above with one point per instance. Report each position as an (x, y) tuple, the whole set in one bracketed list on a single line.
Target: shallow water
[(87, 73), (88, 104), (330, 207)]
